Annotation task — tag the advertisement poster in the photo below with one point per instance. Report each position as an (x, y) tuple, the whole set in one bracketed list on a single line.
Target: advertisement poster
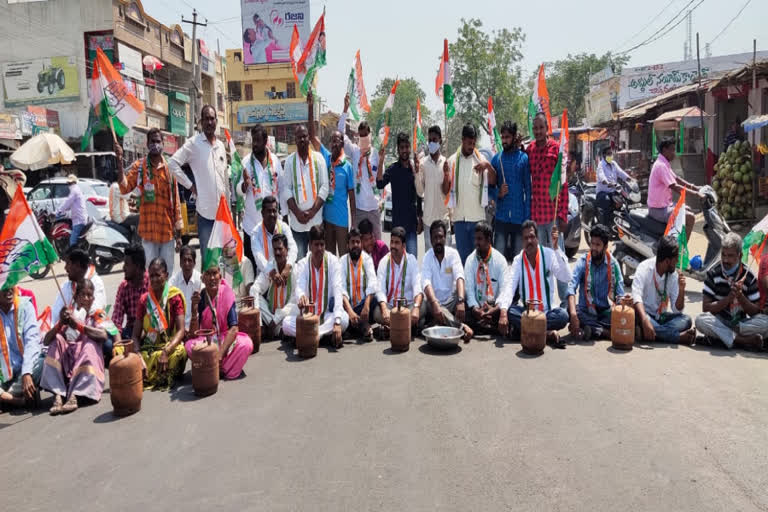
[(267, 28), (273, 113), (40, 81)]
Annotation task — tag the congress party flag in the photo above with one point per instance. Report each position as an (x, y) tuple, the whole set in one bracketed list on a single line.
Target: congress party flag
[(676, 227), (110, 98), (313, 57), (755, 241), (493, 131), (557, 182), (385, 119), (358, 99), (225, 248), (235, 168), (539, 101), (444, 83), (418, 129), (295, 51)]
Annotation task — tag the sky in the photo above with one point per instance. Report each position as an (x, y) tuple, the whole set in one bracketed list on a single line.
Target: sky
[(404, 38)]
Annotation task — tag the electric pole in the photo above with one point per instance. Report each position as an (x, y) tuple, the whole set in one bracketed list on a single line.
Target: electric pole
[(195, 69)]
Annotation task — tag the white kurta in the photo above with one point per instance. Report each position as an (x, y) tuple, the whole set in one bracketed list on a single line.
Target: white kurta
[(499, 272), (412, 285), (442, 276), (264, 255), (252, 167), (556, 267), (297, 172), (368, 284), (263, 288)]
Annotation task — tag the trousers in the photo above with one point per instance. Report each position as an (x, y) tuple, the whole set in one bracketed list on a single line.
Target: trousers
[(465, 238), (163, 250), (557, 318), (507, 238), (336, 239), (712, 326)]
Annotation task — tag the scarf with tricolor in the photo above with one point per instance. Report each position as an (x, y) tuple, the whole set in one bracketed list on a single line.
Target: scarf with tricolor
[(147, 184), (531, 280), (356, 274), (318, 285), (483, 283), (271, 174), (396, 283), (6, 369), (371, 177), (453, 195), (314, 177), (662, 293), (156, 320), (277, 296), (267, 239), (612, 274)]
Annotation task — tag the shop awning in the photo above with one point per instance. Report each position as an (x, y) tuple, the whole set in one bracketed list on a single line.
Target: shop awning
[(179, 96), (594, 135), (690, 116), (755, 122)]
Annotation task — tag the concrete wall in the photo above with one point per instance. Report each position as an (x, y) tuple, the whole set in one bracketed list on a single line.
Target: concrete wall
[(51, 29)]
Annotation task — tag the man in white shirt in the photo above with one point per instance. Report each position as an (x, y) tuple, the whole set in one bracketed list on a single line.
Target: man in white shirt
[(277, 297), (470, 175), (433, 183), (188, 279), (358, 277), (118, 204), (261, 173), (399, 277), (78, 267), (657, 286), (318, 281), (442, 277), (261, 237), (207, 157), (487, 274), (534, 272), (304, 189), (365, 164)]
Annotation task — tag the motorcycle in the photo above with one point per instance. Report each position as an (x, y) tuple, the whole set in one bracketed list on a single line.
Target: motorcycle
[(638, 234), (625, 194), (572, 232)]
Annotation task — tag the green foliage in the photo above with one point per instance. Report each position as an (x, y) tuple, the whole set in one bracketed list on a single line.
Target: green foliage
[(568, 81), (404, 109), (487, 64)]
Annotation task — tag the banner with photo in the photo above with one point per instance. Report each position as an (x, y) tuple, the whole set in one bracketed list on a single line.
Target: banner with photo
[(40, 81), (267, 29)]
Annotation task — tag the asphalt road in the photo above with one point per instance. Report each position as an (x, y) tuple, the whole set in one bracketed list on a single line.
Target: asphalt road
[(662, 427)]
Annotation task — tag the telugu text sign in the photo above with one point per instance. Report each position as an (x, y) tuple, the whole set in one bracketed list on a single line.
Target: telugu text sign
[(267, 28), (273, 113)]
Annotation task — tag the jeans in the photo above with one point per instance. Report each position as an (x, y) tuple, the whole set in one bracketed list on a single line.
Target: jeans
[(465, 238), (411, 243), (605, 208), (204, 228), (544, 234), (335, 238), (75, 234), (668, 330), (557, 318), (507, 238), (302, 242), (165, 250)]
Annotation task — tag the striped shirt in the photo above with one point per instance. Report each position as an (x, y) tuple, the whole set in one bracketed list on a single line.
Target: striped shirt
[(717, 286)]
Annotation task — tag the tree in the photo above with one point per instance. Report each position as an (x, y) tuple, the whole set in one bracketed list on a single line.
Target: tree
[(404, 109), (487, 64), (568, 81)]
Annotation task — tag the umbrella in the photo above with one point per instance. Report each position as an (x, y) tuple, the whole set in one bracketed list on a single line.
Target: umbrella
[(151, 63), (41, 151)]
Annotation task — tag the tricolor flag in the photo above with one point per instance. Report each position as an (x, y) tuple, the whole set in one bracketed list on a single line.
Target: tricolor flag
[(539, 101), (358, 100), (313, 57), (225, 249), (385, 119), (295, 52), (418, 130), (755, 241), (444, 83), (23, 247), (110, 99), (235, 168), (492, 130), (557, 182), (676, 228)]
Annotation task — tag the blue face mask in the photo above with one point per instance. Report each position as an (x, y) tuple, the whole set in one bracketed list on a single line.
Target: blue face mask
[(433, 147), (730, 271)]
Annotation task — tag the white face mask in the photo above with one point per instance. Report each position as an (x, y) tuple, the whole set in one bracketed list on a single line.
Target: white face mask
[(364, 143), (433, 147)]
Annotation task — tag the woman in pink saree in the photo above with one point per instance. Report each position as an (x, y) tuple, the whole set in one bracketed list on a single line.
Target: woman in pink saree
[(215, 308)]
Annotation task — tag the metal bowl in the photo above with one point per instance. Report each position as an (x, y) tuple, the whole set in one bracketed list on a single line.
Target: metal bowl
[(443, 337)]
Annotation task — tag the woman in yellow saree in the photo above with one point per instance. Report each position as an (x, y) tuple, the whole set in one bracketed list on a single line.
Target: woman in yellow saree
[(159, 329)]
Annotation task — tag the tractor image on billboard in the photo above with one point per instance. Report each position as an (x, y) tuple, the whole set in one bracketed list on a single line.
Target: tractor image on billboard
[(51, 78)]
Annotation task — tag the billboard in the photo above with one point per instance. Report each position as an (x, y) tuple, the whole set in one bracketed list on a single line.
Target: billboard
[(40, 81), (273, 113), (267, 28)]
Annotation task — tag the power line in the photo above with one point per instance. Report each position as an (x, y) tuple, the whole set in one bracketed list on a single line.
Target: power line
[(732, 20), (648, 24), (652, 39)]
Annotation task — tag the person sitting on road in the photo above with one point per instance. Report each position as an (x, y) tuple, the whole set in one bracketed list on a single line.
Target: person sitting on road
[(75, 204), (486, 272), (318, 283), (78, 267), (358, 278), (399, 277), (598, 281), (261, 237), (215, 308), (534, 272), (20, 347), (188, 279), (657, 285), (159, 329), (608, 174), (129, 292), (662, 182), (74, 365), (276, 296), (731, 301), (442, 277), (374, 247)]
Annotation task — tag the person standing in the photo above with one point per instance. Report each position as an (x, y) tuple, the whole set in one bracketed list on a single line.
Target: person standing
[(75, 204), (207, 157), (433, 184), (304, 189), (406, 204), (467, 170), (512, 192), (159, 209), (261, 173), (365, 166)]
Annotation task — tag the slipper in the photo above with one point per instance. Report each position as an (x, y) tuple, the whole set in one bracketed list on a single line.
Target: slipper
[(557, 342), (368, 336), (56, 407), (70, 405)]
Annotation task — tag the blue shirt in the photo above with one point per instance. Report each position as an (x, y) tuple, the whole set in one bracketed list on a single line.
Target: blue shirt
[(515, 207), (600, 274), (335, 209), (30, 334)]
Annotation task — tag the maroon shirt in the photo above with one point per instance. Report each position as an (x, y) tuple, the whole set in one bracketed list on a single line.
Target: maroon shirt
[(542, 160), (380, 250), (127, 302)]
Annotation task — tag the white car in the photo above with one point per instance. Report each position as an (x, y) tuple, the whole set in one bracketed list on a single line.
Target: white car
[(387, 225), (50, 194)]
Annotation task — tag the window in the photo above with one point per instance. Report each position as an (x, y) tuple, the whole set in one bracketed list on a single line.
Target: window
[(61, 191), (290, 89), (220, 101), (248, 92), (43, 192), (238, 57), (233, 90)]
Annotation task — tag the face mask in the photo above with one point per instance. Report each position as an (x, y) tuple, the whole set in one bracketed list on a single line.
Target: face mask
[(365, 143), (354, 254), (730, 271), (155, 149), (609, 159), (433, 147)]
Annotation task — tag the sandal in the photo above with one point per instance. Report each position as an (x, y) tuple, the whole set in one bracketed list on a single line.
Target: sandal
[(368, 336), (70, 405), (56, 407)]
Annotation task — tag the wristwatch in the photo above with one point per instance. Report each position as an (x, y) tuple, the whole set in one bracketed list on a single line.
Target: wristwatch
[(337, 321)]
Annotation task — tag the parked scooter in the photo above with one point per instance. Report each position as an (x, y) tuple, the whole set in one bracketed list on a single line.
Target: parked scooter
[(638, 234), (626, 195), (572, 234)]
